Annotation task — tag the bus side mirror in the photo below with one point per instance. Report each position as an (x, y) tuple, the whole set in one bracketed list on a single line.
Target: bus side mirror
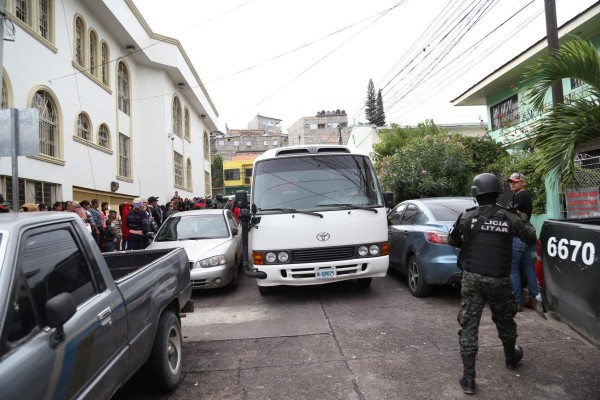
[(389, 199), (241, 199)]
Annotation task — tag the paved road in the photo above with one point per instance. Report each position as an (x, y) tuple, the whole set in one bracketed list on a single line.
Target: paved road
[(339, 342)]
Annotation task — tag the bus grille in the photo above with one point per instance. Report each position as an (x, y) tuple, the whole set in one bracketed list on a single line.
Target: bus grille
[(323, 254)]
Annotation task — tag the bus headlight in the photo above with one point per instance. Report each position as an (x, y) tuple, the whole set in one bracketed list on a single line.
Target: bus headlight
[(363, 251), (283, 257), (374, 249), (270, 257)]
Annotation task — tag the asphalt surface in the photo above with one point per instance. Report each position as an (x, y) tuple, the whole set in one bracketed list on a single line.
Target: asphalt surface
[(340, 342)]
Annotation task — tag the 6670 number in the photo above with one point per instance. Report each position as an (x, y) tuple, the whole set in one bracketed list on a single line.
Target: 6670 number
[(575, 248)]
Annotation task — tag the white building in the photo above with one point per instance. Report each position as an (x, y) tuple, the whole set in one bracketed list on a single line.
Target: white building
[(123, 112)]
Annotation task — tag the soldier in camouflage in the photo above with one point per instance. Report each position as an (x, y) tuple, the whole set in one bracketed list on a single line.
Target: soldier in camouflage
[(485, 259)]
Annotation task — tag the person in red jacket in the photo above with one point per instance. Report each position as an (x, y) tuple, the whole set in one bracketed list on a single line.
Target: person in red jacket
[(124, 210)]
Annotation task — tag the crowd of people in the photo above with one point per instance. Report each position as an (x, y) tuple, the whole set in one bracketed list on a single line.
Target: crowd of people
[(133, 224)]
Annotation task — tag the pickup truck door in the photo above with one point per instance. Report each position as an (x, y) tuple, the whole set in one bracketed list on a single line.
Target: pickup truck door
[(50, 261)]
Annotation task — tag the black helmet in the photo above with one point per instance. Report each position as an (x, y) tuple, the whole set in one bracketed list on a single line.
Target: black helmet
[(486, 183)]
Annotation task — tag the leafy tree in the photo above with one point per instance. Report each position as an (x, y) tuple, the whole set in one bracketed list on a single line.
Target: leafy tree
[(393, 139), (486, 154), (216, 171), (371, 103), (568, 125), (380, 113), (429, 161), (430, 165)]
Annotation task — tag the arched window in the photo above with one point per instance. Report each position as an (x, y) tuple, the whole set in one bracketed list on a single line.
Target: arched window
[(206, 146), (79, 40), (104, 136), (176, 116), (44, 18), (22, 10), (84, 126), (186, 124), (4, 95), (188, 173), (105, 60), (123, 88), (48, 123), (93, 53)]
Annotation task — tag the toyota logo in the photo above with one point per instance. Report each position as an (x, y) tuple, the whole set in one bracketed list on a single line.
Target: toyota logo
[(323, 236)]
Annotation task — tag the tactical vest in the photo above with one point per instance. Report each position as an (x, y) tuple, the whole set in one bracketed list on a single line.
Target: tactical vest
[(491, 250)]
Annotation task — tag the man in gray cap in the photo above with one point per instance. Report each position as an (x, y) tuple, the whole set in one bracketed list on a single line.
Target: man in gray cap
[(522, 258)]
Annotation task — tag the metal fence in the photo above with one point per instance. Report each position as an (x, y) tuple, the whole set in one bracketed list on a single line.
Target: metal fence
[(587, 175)]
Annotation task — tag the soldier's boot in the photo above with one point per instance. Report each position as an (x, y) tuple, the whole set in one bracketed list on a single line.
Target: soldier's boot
[(467, 382), (513, 353)]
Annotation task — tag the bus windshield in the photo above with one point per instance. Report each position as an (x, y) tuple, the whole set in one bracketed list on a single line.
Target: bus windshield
[(316, 183)]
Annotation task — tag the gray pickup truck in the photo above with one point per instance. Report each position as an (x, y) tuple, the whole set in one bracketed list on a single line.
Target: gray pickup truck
[(76, 323), (570, 255)]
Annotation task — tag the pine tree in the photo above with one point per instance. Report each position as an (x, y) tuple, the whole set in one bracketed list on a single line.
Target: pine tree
[(371, 103), (379, 113)]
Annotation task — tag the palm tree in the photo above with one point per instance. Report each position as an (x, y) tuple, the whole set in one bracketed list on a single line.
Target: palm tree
[(565, 126)]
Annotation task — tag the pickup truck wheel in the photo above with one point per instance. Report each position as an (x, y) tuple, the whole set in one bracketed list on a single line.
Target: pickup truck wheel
[(164, 367), (416, 279), (364, 283)]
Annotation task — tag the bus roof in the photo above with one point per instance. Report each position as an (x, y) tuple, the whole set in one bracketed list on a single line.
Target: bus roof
[(312, 149)]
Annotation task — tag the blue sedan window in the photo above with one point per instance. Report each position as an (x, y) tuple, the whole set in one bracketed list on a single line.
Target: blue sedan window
[(450, 211)]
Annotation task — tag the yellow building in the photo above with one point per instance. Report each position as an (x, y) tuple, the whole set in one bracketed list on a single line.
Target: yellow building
[(237, 174)]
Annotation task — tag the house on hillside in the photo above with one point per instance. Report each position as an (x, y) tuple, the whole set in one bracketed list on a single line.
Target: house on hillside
[(511, 118), (123, 111)]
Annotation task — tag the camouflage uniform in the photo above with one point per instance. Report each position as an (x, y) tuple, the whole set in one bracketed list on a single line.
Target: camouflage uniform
[(480, 284)]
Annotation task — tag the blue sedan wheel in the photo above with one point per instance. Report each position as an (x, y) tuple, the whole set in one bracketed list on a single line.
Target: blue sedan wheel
[(416, 279)]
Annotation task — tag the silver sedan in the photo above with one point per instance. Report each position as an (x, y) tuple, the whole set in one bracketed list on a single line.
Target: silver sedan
[(212, 240)]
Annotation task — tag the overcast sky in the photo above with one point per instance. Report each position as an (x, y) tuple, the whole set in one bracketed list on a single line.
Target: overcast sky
[(289, 59)]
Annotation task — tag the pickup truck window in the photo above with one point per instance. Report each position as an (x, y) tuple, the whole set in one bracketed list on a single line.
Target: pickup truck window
[(21, 316), (52, 263)]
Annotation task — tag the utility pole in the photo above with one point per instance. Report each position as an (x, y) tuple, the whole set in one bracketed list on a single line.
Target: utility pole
[(553, 45), (339, 128)]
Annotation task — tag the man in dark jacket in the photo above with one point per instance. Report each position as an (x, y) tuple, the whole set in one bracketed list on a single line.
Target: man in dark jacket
[(138, 222), (485, 235)]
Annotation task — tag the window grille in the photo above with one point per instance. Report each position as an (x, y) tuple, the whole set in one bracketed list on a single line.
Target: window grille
[(104, 136), (187, 124), (206, 182), (83, 127), (48, 123), (176, 117), (22, 8), (505, 114), (79, 41), (44, 19), (188, 174), (231, 174), (575, 83), (123, 88), (4, 95), (93, 61), (178, 168), (105, 63), (124, 147)]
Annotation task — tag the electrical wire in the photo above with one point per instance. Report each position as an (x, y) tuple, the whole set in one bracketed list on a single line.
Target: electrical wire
[(466, 64), (329, 53)]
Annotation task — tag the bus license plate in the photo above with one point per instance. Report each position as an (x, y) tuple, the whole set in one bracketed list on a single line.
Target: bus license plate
[(325, 273)]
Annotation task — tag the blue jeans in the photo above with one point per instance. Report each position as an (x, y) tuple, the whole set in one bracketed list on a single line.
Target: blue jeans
[(522, 259)]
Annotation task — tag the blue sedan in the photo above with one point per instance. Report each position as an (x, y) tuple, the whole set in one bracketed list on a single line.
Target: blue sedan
[(418, 235)]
